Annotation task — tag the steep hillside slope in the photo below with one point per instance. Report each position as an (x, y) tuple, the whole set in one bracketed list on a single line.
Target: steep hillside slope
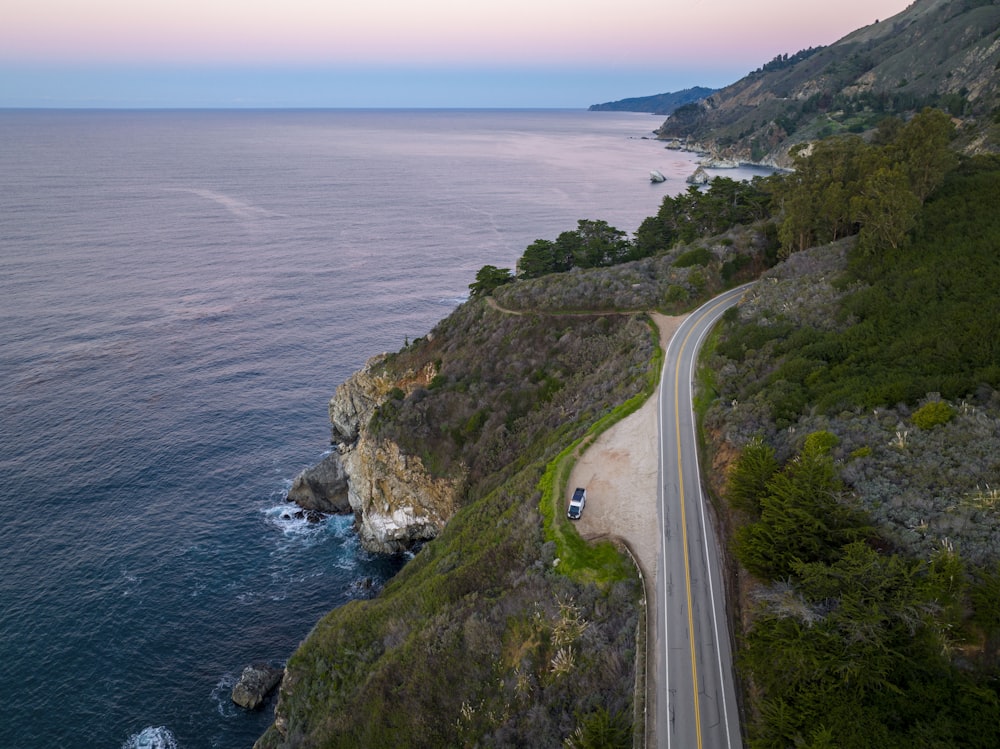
[(942, 53)]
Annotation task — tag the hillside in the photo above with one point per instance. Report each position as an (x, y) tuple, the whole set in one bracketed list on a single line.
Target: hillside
[(858, 421), (853, 402), (851, 410), (507, 629), (655, 104), (942, 53)]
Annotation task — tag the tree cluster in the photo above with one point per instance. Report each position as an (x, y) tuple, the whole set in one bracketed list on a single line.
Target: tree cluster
[(780, 62), (596, 244), (593, 244), (846, 186), (850, 643), (703, 212), (920, 318)]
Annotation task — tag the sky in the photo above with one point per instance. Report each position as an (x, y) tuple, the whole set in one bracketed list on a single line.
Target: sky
[(397, 53)]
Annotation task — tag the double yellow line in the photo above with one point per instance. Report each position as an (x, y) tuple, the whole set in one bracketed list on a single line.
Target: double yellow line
[(684, 534)]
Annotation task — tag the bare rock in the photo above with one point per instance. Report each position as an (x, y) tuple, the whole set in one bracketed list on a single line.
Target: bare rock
[(397, 501), (322, 488), (354, 402), (255, 684), (699, 177)]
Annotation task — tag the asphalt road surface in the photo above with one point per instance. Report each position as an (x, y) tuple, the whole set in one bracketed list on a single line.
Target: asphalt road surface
[(695, 704)]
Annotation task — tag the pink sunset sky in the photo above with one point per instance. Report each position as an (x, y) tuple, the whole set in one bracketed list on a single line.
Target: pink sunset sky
[(397, 52)]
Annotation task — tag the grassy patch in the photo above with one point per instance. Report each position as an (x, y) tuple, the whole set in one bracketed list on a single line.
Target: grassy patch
[(601, 563)]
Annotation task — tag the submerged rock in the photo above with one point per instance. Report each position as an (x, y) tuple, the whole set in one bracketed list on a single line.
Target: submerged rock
[(256, 682)]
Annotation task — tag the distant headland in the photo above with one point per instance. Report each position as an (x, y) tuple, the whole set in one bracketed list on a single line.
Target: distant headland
[(655, 104)]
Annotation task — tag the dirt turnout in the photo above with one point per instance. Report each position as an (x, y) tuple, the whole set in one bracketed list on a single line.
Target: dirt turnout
[(620, 472)]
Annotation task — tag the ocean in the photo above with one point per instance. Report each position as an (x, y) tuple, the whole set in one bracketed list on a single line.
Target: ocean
[(181, 293)]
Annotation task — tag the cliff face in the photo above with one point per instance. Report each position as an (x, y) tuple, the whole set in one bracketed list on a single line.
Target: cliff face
[(395, 499)]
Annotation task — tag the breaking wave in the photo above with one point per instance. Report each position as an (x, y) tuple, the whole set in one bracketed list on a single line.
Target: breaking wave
[(151, 738)]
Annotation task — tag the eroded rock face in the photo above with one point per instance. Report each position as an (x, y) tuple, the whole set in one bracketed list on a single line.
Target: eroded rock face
[(395, 500), (354, 401)]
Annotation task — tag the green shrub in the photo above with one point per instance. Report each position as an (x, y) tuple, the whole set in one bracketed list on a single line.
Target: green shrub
[(698, 256), (675, 295), (932, 414), (821, 442), (749, 476)]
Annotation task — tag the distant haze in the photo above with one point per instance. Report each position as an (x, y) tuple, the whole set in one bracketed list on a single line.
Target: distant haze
[(396, 52)]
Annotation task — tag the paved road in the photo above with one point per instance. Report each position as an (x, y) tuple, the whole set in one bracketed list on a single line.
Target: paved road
[(695, 702)]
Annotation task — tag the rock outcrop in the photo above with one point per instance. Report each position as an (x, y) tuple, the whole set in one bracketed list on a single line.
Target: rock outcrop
[(699, 177), (395, 500), (322, 488), (354, 401), (255, 684)]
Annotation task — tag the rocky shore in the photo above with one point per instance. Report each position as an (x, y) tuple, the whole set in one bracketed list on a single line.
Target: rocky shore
[(395, 500)]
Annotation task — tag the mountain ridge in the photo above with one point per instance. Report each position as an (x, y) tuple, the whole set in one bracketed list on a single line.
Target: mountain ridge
[(942, 53)]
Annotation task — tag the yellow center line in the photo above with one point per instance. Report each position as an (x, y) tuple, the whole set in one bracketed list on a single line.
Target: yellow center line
[(684, 537)]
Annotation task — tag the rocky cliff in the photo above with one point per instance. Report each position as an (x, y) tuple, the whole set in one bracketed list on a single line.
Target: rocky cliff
[(395, 499)]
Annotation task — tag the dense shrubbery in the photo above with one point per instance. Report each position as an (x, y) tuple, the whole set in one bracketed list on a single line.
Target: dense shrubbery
[(870, 371), (543, 375), (917, 320), (850, 643)]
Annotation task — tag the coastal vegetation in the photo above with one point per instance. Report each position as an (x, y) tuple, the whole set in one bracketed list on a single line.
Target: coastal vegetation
[(508, 629), (860, 384), (482, 638), (856, 413)]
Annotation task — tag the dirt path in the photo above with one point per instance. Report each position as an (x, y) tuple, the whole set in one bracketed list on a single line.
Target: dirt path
[(620, 472)]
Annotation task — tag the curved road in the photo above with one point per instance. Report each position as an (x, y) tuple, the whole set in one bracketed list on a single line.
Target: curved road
[(695, 703)]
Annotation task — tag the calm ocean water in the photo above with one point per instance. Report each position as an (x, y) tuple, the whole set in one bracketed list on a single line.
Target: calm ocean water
[(180, 294)]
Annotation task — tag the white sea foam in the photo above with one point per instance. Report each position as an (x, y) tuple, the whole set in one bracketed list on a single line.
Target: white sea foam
[(158, 737), (293, 521), (130, 583), (222, 696)]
